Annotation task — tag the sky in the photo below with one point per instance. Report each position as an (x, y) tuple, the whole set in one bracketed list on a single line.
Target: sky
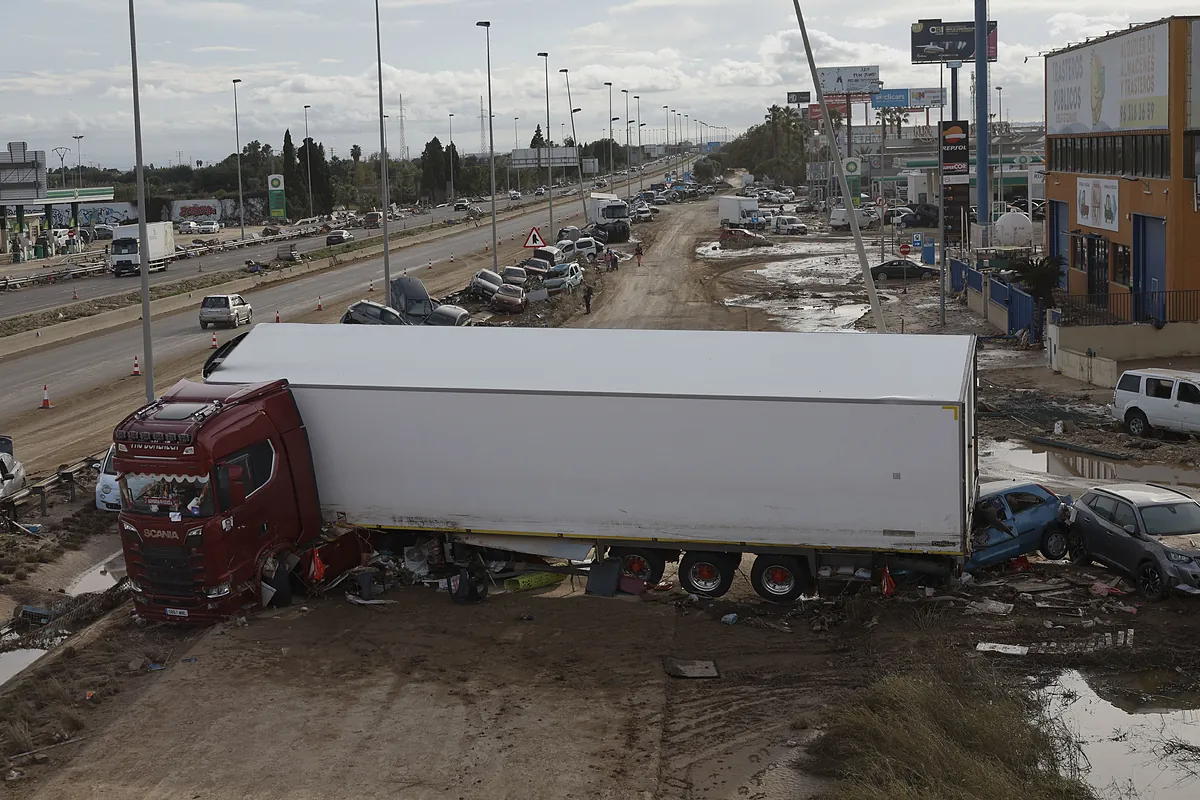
[(720, 61)]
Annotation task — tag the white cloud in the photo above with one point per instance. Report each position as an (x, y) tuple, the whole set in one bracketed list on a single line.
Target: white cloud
[(222, 48), (333, 61), (1077, 27), (867, 23)]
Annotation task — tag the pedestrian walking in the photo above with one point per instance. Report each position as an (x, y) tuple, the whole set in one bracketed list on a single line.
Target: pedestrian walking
[(587, 298), (638, 252)]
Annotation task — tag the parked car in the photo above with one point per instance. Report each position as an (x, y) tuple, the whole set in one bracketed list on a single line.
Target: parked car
[(1158, 398), (1012, 519), (1150, 534), (901, 269), (108, 492), (894, 214), (365, 312), (568, 234), (208, 227), (12, 471), (840, 221), (537, 267), (588, 247), (410, 297), (514, 275), (462, 205), (339, 236), (540, 191), (513, 194), (187, 226), (449, 317), (565, 281), (225, 309), (661, 200), (484, 283), (642, 214), (509, 298), (103, 231)]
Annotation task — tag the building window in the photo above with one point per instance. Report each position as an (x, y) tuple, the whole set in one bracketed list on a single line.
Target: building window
[(1078, 254), (1122, 264)]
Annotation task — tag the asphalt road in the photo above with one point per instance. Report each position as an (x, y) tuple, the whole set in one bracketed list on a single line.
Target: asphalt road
[(94, 362)]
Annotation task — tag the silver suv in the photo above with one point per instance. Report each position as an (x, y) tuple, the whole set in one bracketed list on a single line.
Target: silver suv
[(1149, 533), (225, 309)]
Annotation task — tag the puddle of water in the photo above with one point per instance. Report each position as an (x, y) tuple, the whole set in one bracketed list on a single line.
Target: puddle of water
[(1127, 749), (1065, 464), (808, 315), (840, 267), (100, 577), (801, 247), (14, 661)]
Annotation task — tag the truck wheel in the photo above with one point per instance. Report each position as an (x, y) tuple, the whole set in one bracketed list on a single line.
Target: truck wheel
[(705, 573), (780, 579), (645, 564), (281, 583), (1137, 423)]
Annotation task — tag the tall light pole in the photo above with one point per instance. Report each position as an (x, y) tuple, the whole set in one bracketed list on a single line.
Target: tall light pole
[(147, 339), (610, 122), (1000, 142), (641, 154), (516, 145), (61, 152), (575, 139), (487, 33), (308, 160), (78, 160), (237, 138), (549, 164), (451, 156), (385, 198), (667, 133), (687, 134), (628, 156)]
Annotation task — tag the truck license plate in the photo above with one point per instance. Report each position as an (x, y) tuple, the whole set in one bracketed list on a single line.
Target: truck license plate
[(177, 612)]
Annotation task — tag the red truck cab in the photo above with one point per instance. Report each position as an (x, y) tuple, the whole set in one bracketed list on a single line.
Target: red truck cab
[(217, 490)]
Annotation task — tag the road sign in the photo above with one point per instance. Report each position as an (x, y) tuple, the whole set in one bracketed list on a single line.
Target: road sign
[(905, 249), (880, 201), (534, 239), (917, 239)]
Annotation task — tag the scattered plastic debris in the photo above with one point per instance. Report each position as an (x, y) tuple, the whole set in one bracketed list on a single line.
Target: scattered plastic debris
[(1005, 649), (730, 619)]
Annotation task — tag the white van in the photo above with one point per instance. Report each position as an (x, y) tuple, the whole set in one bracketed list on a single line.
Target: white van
[(839, 221), (550, 254), (1158, 398)]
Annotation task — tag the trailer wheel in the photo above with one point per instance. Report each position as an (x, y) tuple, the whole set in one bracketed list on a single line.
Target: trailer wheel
[(707, 574), (645, 564), (780, 579)]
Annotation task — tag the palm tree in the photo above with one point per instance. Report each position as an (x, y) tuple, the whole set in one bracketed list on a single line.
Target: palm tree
[(355, 153), (775, 120)]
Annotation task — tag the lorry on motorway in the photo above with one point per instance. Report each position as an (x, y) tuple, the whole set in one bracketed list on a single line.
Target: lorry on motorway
[(739, 212), (817, 453), (125, 256), (610, 214)]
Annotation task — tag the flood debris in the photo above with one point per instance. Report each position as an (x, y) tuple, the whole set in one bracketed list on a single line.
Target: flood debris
[(689, 668)]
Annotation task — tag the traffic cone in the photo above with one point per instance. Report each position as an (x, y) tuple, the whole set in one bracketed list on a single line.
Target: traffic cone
[(430, 265), (214, 342), (137, 368), (277, 316), (451, 257), (320, 305), (45, 397), (372, 287), (75, 293)]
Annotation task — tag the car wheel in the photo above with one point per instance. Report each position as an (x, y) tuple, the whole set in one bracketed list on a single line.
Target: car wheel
[(237, 321), (203, 326), (1150, 582), (928, 273), (1077, 550), (879, 276), (1054, 544), (250, 317), (1137, 423)]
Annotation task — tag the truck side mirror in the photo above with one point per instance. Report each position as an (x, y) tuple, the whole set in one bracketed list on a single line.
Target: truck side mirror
[(237, 485)]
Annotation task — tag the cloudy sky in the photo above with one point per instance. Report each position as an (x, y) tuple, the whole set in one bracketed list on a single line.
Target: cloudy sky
[(721, 61)]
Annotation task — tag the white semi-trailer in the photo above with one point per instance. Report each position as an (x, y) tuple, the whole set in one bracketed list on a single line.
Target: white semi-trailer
[(125, 256)]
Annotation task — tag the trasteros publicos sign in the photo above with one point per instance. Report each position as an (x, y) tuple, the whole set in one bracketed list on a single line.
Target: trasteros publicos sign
[(1117, 84), (195, 211)]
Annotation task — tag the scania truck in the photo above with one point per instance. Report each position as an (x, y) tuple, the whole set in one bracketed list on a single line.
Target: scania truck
[(813, 452)]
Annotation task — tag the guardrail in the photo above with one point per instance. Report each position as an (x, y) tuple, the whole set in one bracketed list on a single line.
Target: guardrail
[(65, 477)]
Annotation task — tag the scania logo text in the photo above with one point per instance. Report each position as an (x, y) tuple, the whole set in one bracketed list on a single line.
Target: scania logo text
[(150, 533)]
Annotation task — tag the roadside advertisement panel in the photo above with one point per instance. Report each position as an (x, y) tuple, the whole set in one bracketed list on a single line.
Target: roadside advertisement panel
[(1097, 203), (956, 176), (908, 98), (276, 196), (814, 109), (840, 80), (1118, 84), (536, 157), (934, 41), (799, 98)]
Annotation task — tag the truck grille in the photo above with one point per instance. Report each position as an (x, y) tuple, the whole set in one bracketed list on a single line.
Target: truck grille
[(168, 571)]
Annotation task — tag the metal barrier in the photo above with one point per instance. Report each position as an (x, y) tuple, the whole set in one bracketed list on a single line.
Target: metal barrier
[(958, 275), (998, 291), (1123, 308), (975, 280), (65, 477)]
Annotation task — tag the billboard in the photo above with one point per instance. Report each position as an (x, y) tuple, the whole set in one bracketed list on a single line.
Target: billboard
[(1194, 82), (908, 98), (536, 157), (590, 166), (956, 159), (853, 80), (1097, 203), (1117, 84), (955, 41), (839, 105), (799, 98), (276, 197)]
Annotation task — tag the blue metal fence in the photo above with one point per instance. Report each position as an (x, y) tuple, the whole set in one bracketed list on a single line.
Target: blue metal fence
[(975, 280), (998, 292), (958, 275), (1024, 313)]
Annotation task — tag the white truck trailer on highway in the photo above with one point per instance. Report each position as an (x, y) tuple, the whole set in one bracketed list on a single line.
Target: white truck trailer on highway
[(739, 212), (125, 257)]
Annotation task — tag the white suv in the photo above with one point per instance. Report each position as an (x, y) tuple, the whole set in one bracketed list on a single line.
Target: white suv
[(1158, 398)]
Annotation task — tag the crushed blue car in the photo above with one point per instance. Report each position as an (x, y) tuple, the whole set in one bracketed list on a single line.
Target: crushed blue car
[(1011, 519)]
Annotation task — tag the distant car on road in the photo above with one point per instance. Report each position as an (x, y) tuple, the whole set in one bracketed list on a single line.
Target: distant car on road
[(538, 192), (1148, 533), (462, 205), (340, 236), (509, 298), (187, 226), (513, 194), (900, 269), (225, 309), (448, 316), (365, 312)]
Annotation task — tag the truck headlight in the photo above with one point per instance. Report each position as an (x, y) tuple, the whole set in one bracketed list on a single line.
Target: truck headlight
[(1178, 558), (220, 590)]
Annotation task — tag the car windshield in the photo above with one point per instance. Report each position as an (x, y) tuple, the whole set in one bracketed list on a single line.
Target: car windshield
[(514, 272), (515, 291), (162, 495), (440, 317), (216, 302), (1171, 519)]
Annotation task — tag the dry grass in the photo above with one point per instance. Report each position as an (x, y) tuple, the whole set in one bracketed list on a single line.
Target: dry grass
[(955, 731), (17, 737)]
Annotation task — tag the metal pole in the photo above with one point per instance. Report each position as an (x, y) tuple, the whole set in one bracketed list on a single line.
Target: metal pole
[(308, 160), (610, 134), (487, 33), (383, 165), (78, 158), (237, 138), (667, 133), (982, 151), (641, 153), (582, 197), (516, 144), (61, 152), (628, 156), (451, 157), (876, 310), (147, 337), (942, 197), (549, 161), (1000, 143)]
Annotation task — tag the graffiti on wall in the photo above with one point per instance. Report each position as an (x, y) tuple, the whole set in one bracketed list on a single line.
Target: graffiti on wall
[(212, 209), (94, 214)]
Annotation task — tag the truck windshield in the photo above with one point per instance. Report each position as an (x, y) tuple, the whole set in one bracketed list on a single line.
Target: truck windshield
[(162, 495), (616, 211), (125, 247)]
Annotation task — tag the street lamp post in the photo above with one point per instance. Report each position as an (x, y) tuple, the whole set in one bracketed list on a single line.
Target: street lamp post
[(487, 33), (1000, 142), (641, 154), (383, 164), (687, 132), (308, 160), (575, 139), (549, 164), (610, 134), (78, 157), (516, 144), (237, 138), (452, 157), (628, 157), (147, 338), (667, 132), (61, 152)]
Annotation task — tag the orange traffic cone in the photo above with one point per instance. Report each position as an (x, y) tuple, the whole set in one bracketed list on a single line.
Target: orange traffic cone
[(137, 368), (430, 265), (320, 305), (372, 287), (45, 397), (451, 258), (277, 316), (214, 342), (75, 293)]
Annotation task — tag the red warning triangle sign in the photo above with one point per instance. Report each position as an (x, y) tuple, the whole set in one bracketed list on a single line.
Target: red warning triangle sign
[(535, 239)]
